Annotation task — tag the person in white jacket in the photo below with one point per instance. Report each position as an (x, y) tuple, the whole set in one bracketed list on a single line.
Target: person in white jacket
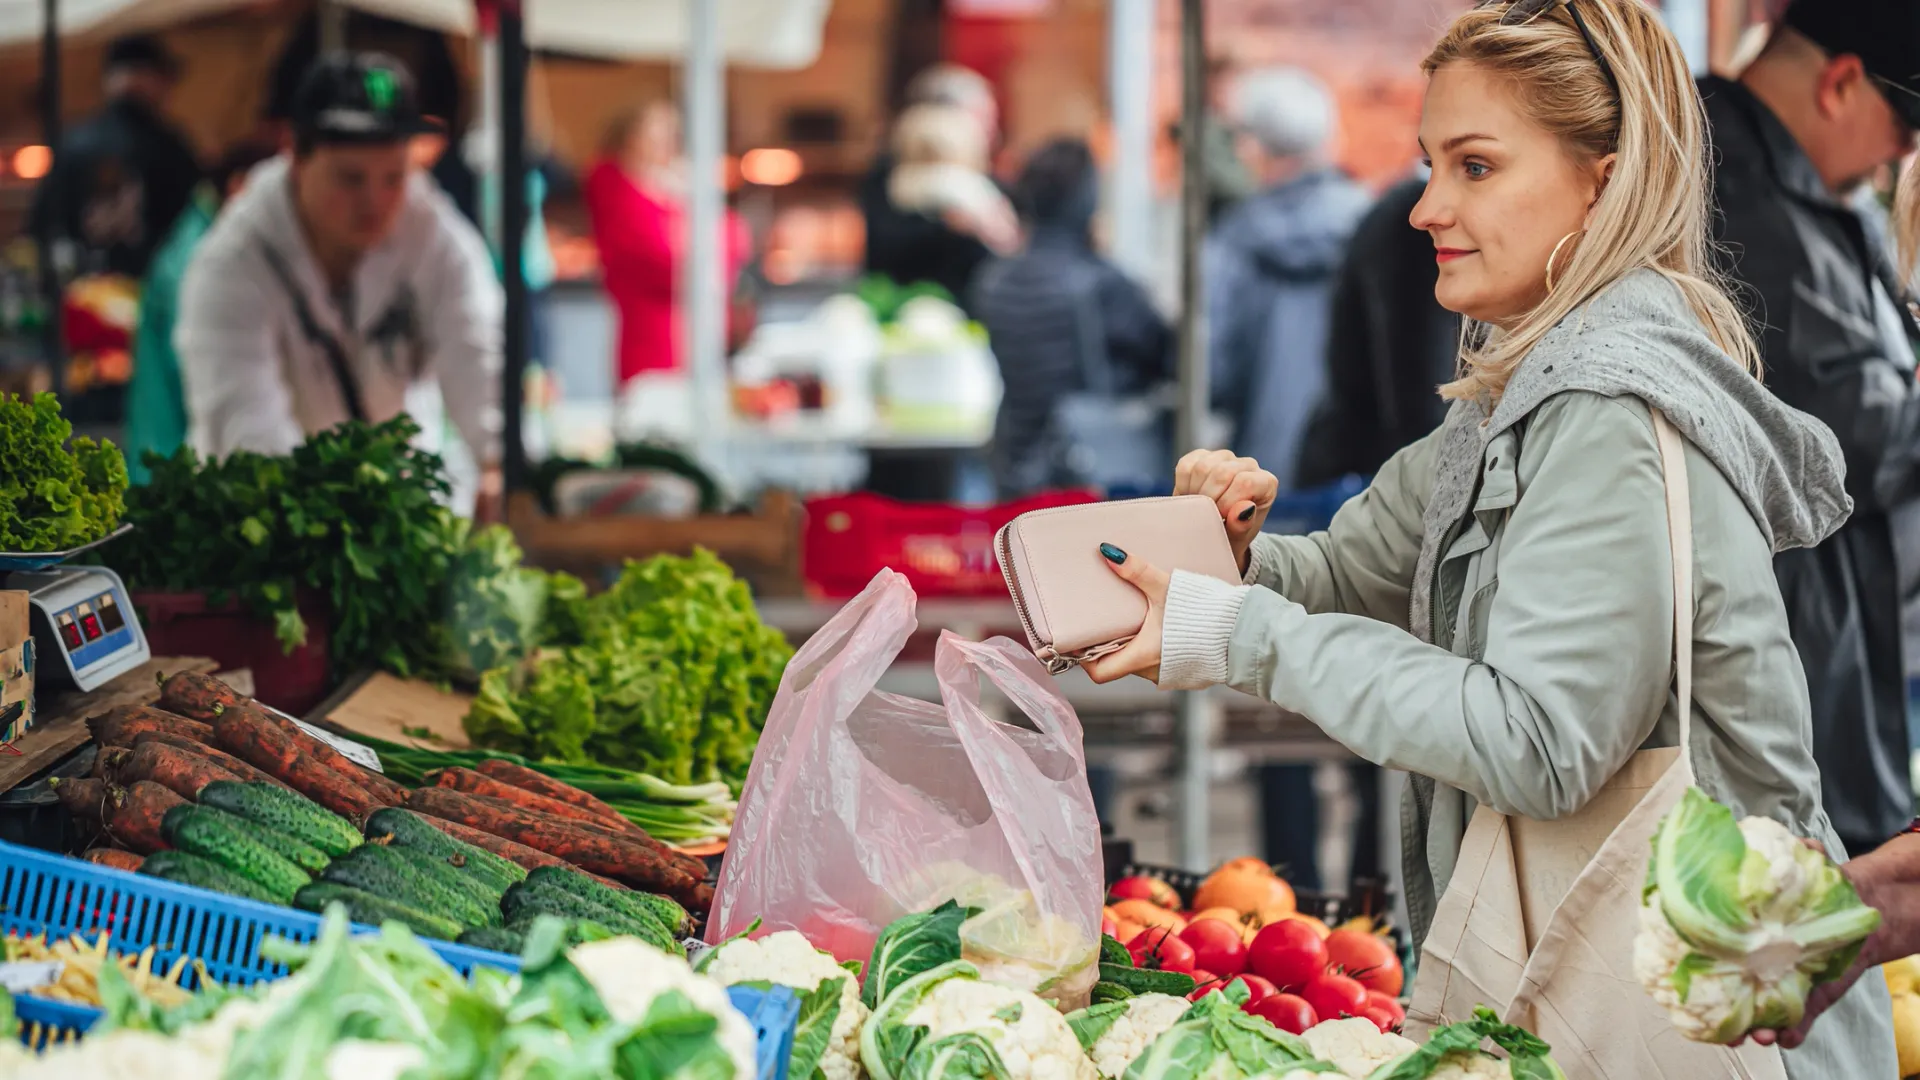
[(342, 284)]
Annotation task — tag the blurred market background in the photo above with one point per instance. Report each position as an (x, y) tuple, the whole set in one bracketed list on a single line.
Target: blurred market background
[(820, 410)]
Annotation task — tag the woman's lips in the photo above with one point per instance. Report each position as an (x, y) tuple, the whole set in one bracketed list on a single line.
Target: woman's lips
[(1447, 255)]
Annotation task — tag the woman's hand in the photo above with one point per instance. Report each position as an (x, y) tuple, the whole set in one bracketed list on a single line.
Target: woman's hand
[(1141, 656), (1243, 491)]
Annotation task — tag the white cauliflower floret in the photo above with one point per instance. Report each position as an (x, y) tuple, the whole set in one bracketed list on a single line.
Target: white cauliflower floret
[(789, 959), (1793, 870), (147, 1055), (365, 1059), (1145, 1018), (1031, 1037), (629, 974), (1355, 1046)]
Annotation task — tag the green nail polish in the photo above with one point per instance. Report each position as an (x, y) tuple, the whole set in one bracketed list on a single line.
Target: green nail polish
[(1113, 554)]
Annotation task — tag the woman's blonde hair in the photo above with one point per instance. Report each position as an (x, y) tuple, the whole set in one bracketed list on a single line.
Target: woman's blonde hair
[(1906, 223), (1653, 212)]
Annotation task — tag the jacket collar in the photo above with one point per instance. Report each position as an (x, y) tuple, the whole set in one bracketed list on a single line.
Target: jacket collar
[(1789, 163)]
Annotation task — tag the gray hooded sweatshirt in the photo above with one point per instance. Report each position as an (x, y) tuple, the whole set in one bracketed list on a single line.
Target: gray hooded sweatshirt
[(1494, 614)]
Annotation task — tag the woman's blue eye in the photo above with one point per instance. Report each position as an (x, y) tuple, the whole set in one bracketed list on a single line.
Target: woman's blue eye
[(1476, 170)]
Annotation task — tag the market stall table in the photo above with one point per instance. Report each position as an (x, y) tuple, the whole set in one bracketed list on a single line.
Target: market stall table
[(61, 728)]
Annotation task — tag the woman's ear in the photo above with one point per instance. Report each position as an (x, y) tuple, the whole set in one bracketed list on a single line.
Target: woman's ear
[(1602, 176)]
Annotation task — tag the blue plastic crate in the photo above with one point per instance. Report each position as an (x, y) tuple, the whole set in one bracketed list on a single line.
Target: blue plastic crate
[(44, 1022), (773, 1014), (42, 893)]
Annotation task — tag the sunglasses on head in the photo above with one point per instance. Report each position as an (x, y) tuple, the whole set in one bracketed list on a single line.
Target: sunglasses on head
[(1522, 12)]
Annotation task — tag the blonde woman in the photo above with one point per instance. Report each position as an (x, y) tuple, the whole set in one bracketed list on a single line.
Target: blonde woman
[(1496, 614)]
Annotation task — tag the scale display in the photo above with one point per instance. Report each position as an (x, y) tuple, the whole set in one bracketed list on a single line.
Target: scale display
[(84, 631)]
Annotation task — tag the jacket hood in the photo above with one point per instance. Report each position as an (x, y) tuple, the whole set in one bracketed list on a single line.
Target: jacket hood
[(1301, 228), (1641, 337)]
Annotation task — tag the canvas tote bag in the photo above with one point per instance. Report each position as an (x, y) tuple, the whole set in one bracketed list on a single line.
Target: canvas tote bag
[(1539, 919)]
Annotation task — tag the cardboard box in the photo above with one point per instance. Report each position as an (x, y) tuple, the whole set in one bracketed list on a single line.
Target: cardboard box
[(16, 666)]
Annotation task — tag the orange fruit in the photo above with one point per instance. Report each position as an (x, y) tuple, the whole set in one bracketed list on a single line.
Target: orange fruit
[(1248, 862), (1244, 889), (1147, 913)]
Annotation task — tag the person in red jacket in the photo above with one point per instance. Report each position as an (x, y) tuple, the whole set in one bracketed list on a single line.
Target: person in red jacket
[(635, 196)]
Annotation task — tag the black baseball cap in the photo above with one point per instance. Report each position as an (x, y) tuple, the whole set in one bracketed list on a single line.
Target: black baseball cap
[(1884, 34), (359, 97), (142, 51)]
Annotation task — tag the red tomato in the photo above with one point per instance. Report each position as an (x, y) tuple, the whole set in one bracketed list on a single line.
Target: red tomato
[(1258, 989), (1387, 1002), (1216, 946), (1286, 1012), (1288, 954), (1366, 957), (1206, 982), (1334, 996), (1381, 1018), (1158, 949)]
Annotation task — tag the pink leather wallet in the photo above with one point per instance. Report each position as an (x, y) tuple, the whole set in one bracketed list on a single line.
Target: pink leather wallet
[(1071, 604)]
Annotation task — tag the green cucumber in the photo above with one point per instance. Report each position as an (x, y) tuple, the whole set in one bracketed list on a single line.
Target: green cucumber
[(449, 875), (496, 938), (285, 811), (185, 868), (365, 907), (579, 931), (634, 903), (386, 873), (1112, 952), (404, 828), (1147, 980), (236, 844), (546, 898), (1104, 992)]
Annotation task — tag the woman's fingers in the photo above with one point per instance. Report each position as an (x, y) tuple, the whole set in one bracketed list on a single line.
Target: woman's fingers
[(1195, 468), (1142, 575)]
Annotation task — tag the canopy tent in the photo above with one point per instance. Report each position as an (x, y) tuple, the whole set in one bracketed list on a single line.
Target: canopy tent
[(754, 33)]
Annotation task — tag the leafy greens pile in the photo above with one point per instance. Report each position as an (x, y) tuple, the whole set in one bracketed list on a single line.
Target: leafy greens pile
[(54, 495), (669, 672), (354, 518)]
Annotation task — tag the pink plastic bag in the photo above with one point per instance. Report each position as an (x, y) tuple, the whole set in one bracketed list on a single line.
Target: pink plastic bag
[(863, 806)]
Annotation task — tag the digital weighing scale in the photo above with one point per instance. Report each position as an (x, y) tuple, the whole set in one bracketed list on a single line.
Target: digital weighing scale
[(85, 631)]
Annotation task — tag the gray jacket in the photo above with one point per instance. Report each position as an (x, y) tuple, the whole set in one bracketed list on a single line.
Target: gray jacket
[(1494, 614), (1270, 269)]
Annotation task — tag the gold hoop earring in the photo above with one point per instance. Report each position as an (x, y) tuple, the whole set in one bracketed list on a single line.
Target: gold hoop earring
[(1556, 255)]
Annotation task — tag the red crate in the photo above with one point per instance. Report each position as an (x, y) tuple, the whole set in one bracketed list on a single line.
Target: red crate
[(943, 550)]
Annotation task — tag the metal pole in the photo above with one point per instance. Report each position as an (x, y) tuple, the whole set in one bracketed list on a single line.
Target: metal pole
[(333, 26), (703, 290), (512, 155), (55, 245), (1130, 104), (1197, 711)]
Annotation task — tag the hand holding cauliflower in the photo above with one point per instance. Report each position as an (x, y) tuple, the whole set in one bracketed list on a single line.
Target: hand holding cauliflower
[(1740, 921)]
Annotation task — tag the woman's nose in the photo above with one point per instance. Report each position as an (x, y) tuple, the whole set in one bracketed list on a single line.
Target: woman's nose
[(1430, 212)]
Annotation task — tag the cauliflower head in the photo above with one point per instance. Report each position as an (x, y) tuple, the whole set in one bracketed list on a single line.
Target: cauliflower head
[(631, 977), (1739, 921), (1355, 1046), (787, 958), (1129, 1029), (945, 1023)]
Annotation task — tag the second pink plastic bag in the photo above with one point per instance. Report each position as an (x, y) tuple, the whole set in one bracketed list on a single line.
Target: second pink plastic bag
[(861, 805)]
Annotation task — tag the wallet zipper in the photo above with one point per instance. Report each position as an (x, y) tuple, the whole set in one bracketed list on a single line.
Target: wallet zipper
[(1003, 550)]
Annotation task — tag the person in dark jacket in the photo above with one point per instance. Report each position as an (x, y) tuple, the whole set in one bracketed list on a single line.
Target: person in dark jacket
[(1389, 344), (121, 178), (1833, 98), (1271, 263), (909, 246), (1040, 306)]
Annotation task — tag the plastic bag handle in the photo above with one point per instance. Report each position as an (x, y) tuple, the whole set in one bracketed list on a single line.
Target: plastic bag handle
[(824, 650), (1011, 667)]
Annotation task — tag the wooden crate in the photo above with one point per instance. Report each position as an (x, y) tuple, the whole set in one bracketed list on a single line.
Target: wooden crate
[(763, 547)]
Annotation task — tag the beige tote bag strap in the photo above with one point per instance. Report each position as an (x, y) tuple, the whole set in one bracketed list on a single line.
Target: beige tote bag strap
[(1673, 463)]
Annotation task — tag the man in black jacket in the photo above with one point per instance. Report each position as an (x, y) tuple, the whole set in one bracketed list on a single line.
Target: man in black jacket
[(1390, 345), (121, 178), (1832, 100)]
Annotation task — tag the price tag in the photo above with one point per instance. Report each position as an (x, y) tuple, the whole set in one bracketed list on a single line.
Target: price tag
[(353, 751), (18, 978)]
